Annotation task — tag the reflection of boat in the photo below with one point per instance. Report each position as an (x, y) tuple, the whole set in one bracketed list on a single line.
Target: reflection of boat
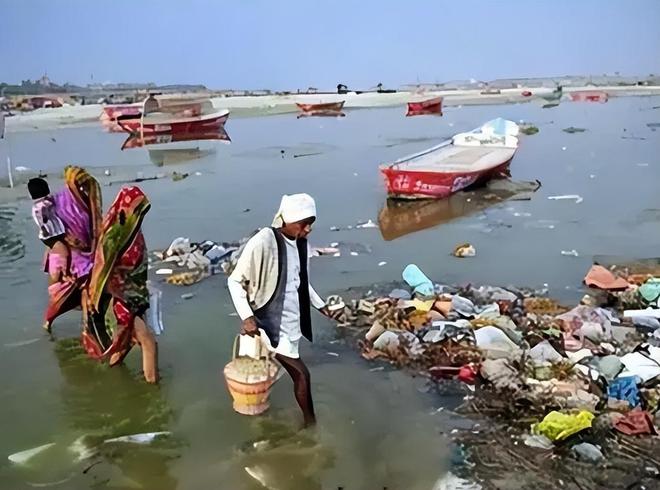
[(328, 109), (430, 106), (466, 159), (137, 141), (589, 96), (171, 156), (399, 218)]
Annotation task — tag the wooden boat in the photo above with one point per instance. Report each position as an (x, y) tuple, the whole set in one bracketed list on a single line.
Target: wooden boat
[(111, 113), (176, 117), (425, 107), (137, 141), (325, 107), (589, 96), (465, 160)]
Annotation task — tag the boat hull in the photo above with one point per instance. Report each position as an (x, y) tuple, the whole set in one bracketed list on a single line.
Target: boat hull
[(589, 96), (426, 107), (412, 184), (326, 107), (135, 126)]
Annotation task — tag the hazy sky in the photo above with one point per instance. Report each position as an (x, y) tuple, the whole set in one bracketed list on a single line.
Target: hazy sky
[(294, 44)]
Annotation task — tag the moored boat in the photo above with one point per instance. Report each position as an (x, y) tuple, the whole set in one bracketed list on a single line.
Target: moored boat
[(327, 106), (175, 117), (328, 109), (112, 113), (589, 96), (465, 160), (425, 107)]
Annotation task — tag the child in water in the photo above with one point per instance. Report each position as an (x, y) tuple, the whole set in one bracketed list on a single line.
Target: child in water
[(51, 232)]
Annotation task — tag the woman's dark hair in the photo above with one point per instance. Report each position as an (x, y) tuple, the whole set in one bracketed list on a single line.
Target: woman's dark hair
[(38, 188)]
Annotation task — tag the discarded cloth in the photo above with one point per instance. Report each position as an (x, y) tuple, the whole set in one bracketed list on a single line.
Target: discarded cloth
[(624, 389), (635, 422), (495, 342), (501, 374), (417, 280), (557, 425), (601, 278)]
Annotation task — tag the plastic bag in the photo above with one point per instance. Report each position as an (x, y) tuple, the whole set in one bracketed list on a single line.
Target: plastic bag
[(557, 425)]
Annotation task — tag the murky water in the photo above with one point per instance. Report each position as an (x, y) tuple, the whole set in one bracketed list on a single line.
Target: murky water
[(376, 428)]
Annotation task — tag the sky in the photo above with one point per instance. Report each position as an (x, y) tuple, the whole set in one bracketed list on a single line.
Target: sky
[(281, 44)]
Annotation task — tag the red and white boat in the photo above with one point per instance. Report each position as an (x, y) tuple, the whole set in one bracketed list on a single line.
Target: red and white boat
[(589, 96), (111, 113), (465, 160), (328, 109), (174, 118), (425, 107)]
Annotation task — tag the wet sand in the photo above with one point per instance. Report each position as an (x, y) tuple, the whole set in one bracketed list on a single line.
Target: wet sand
[(375, 427)]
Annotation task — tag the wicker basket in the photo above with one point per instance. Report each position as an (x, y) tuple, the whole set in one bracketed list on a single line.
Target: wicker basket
[(250, 392)]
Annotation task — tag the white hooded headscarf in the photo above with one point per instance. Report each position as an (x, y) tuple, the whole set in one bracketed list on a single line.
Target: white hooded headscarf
[(294, 208)]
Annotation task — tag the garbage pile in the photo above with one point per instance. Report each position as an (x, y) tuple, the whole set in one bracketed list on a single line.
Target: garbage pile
[(185, 262), (524, 354)]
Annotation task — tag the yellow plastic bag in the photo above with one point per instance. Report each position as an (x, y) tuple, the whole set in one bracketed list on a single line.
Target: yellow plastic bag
[(557, 425)]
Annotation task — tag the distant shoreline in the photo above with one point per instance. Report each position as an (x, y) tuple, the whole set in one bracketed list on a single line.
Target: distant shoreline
[(263, 105)]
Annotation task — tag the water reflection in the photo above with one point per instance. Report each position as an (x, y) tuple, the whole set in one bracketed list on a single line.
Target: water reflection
[(101, 403), (398, 218), (137, 141), (172, 156)]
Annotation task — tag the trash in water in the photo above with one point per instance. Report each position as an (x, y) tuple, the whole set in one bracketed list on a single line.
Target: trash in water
[(176, 176), (162, 272), (417, 280), (578, 199), (144, 438), (23, 457), (528, 129), (572, 130), (187, 295), (368, 224), (333, 354), (464, 250), (570, 253), (381, 264)]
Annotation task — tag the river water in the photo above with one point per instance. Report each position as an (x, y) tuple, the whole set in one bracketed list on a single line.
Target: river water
[(376, 428)]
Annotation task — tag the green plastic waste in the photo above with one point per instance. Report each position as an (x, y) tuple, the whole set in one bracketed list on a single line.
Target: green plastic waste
[(557, 425), (650, 290)]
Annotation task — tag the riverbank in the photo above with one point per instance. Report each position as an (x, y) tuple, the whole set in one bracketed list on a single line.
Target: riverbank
[(250, 106)]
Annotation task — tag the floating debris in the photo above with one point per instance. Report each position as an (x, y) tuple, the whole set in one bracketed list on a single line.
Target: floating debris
[(573, 130), (23, 457), (528, 129), (578, 199), (143, 438)]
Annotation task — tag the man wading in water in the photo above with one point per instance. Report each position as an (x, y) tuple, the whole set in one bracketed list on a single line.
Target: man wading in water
[(272, 295)]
